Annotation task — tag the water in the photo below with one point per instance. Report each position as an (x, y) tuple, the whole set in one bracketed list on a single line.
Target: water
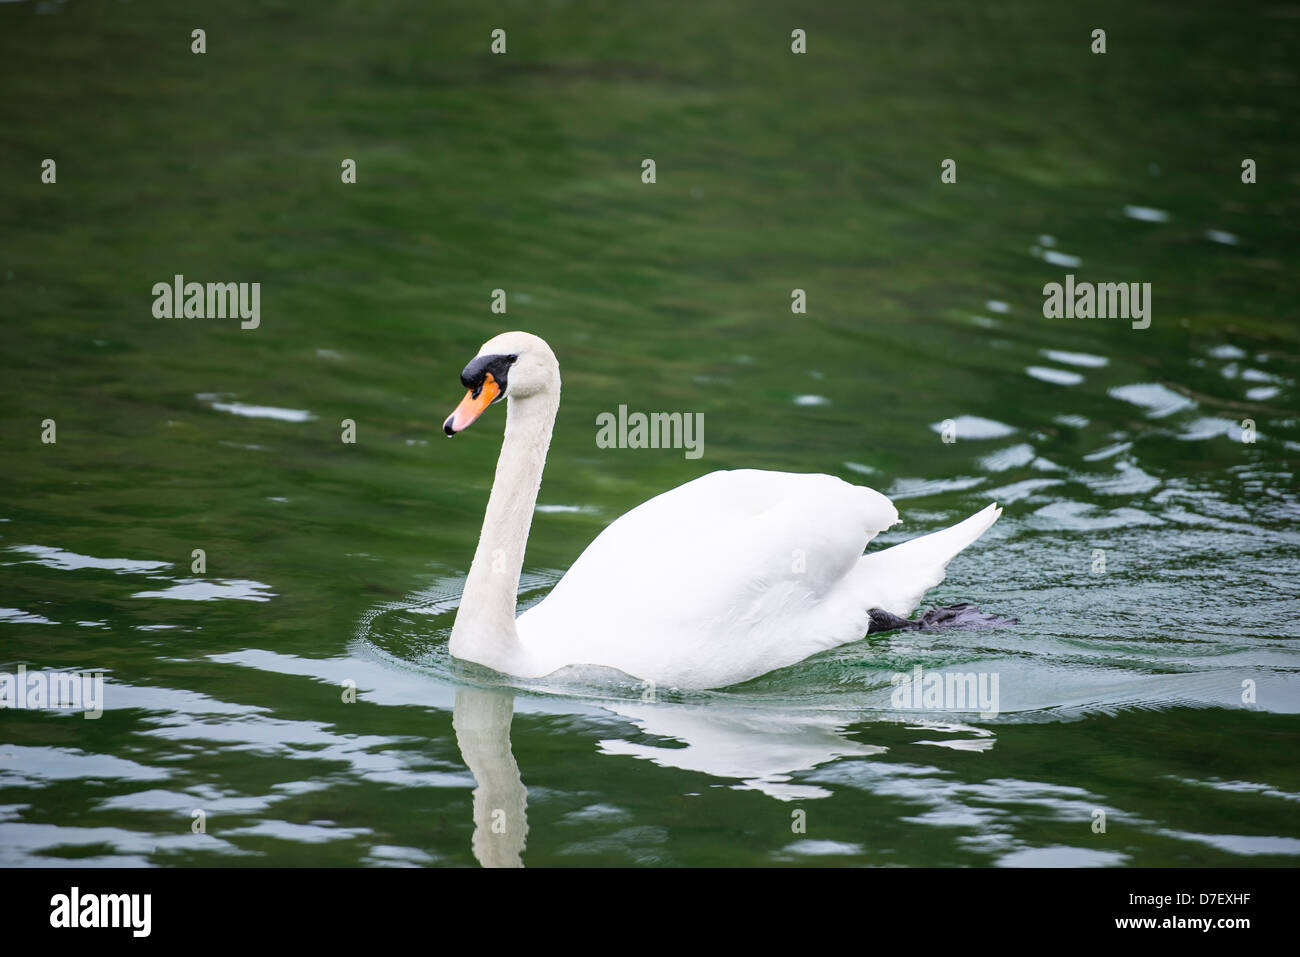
[(1148, 552)]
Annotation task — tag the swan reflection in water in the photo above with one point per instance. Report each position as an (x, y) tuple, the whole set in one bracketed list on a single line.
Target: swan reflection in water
[(482, 722), (755, 748)]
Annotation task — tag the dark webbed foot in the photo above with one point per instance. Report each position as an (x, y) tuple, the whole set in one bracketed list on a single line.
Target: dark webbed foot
[(962, 615), (882, 620)]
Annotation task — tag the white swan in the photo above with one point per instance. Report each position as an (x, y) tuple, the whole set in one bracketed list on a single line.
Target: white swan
[(722, 579)]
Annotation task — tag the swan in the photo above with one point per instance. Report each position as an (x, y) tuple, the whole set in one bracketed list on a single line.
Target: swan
[(722, 579)]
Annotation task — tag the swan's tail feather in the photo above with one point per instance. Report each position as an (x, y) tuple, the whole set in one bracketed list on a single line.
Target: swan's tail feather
[(896, 579)]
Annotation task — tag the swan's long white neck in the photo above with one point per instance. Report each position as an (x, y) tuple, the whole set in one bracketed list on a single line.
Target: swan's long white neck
[(485, 623)]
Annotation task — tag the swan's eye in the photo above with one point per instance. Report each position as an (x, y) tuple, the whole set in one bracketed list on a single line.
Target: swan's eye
[(497, 366)]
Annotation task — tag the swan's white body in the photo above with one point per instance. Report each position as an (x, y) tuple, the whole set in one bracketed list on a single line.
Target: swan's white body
[(722, 579)]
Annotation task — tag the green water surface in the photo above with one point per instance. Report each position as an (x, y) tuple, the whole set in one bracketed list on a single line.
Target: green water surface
[(1148, 548)]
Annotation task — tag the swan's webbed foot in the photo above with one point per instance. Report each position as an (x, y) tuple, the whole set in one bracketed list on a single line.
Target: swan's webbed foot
[(961, 615), (882, 620)]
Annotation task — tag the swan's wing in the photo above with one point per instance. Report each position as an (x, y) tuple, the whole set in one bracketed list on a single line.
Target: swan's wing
[(727, 575)]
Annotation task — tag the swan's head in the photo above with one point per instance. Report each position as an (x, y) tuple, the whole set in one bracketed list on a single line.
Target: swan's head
[(513, 365)]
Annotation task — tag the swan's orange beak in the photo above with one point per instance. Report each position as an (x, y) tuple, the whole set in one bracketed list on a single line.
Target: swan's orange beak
[(472, 406)]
